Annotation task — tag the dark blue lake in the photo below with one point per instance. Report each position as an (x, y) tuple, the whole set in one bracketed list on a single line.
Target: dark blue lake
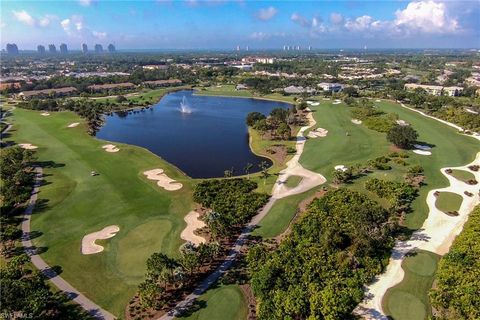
[(204, 143)]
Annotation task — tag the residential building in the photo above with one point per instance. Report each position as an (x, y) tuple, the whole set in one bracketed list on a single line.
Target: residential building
[(155, 67), (328, 86), (98, 48), (244, 67), (46, 92), (63, 48), (430, 89), (84, 48), (452, 91), (52, 48), (41, 49), (12, 48), (435, 90), (111, 48), (110, 86), (298, 90)]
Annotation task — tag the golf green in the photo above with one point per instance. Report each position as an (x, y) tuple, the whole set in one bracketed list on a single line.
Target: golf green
[(73, 203)]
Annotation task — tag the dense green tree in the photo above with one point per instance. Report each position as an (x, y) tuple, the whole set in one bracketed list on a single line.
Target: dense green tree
[(402, 136)]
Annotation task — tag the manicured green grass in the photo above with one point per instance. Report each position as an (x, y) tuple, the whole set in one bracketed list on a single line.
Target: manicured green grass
[(224, 90), (360, 145), (462, 175), (72, 204), (408, 300), (280, 215), (448, 201), (222, 302), (450, 149), (293, 181)]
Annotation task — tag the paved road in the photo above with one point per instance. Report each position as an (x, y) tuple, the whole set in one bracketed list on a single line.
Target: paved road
[(93, 309)]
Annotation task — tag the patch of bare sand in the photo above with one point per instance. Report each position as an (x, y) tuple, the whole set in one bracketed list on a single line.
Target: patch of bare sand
[(163, 180), (318, 133), (73, 125), (88, 242), (111, 148), (193, 223), (27, 146), (45, 114), (356, 121)]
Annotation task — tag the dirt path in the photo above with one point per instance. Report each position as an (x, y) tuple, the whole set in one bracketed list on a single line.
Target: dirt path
[(436, 235), (310, 180), (93, 309)]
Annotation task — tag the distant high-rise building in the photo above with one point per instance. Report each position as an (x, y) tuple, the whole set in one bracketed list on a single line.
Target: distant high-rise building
[(284, 47), (247, 48), (12, 48), (238, 48), (309, 48), (52, 48), (84, 48), (41, 49), (111, 48), (98, 48), (63, 48)]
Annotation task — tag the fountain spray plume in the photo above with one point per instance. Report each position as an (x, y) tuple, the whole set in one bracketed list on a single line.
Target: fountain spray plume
[(184, 107)]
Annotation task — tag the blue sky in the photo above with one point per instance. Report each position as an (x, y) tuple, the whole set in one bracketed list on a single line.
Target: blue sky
[(222, 24)]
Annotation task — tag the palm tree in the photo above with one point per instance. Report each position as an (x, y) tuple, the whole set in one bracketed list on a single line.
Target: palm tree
[(247, 169), (264, 166)]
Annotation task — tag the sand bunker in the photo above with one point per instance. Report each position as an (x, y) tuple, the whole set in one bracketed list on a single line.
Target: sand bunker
[(422, 147), (73, 125), (356, 121), (422, 152), (318, 133), (88, 242), (378, 100), (402, 123), (27, 146), (326, 99), (193, 223), (163, 180), (337, 101), (313, 103), (110, 148), (341, 167), (45, 114)]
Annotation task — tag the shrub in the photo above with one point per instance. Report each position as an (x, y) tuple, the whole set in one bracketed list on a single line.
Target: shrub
[(402, 136)]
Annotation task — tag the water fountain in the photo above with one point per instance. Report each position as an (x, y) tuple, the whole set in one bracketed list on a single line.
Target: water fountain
[(184, 107)]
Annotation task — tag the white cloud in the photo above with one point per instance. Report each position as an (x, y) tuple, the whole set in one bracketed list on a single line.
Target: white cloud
[(263, 36), (266, 14), (24, 17), (85, 3), (362, 23), (426, 16), (336, 18), (301, 20), (99, 35)]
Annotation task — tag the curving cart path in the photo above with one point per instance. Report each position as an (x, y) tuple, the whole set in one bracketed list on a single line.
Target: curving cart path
[(436, 235), (309, 180), (72, 293)]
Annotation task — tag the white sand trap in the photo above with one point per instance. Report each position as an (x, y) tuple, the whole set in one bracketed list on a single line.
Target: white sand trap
[(193, 223), (402, 123), (163, 180), (326, 99), (45, 114), (110, 148), (318, 133), (378, 100), (73, 125), (422, 147), (341, 167), (337, 102), (356, 121), (27, 146), (88, 242), (422, 152)]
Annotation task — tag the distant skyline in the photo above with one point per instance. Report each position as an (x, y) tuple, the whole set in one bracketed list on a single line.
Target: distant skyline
[(221, 24)]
